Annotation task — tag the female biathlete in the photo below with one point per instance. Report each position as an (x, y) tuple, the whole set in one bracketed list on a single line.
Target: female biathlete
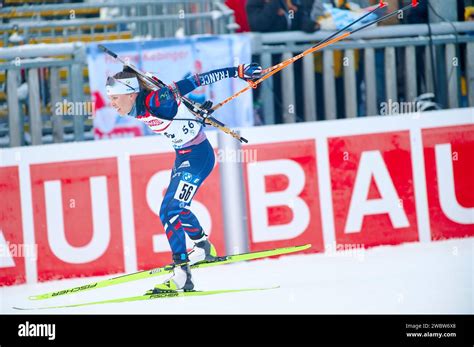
[(162, 111)]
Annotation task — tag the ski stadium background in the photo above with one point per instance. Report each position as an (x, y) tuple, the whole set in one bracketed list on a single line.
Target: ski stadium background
[(363, 149)]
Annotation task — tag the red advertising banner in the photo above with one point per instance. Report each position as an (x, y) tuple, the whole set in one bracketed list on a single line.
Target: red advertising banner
[(449, 154), (372, 189), (360, 183), (76, 210), (283, 197), (12, 248)]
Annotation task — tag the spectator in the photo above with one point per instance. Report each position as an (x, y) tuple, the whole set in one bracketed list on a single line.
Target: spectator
[(333, 14), (240, 15), (280, 15), (469, 14), (266, 16)]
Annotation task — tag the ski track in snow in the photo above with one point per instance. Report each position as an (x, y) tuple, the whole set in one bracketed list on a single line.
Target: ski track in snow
[(435, 277)]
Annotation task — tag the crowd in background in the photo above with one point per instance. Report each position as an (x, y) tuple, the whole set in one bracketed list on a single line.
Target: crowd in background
[(310, 15)]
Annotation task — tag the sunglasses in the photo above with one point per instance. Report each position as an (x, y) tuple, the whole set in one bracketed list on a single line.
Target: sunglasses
[(112, 82)]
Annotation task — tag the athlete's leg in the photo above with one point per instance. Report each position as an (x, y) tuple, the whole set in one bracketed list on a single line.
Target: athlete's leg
[(185, 181)]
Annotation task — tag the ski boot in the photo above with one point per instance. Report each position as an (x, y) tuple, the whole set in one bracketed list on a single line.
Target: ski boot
[(181, 279), (203, 250)]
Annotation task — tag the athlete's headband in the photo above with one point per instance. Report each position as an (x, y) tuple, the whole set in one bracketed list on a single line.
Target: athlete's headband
[(122, 86)]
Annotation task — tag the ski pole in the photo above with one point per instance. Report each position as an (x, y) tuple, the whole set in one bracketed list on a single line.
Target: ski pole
[(278, 68), (274, 69), (381, 5)]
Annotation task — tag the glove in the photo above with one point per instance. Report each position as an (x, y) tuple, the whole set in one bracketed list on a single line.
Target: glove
[(128, 69), (250, 72)]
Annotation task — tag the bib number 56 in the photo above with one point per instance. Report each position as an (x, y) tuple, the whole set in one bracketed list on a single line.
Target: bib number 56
[(185, 191), (185, 128)]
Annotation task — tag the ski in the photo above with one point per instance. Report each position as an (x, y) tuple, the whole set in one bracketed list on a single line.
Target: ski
[(167, 269), (149, 296)]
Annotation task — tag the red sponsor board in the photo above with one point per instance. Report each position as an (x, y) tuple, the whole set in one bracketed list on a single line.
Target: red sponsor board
[(76, 204), (77, 220), (13, 250), (448, 153), (373, 189), (151, 174), (283, 197)]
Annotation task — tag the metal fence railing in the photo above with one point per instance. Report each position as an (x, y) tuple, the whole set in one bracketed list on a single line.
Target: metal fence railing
[(389, 64), (151, 18), (386, 64), (37, 68)]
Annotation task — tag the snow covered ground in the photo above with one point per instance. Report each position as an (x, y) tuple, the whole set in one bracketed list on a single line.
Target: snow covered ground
[(434, 277)]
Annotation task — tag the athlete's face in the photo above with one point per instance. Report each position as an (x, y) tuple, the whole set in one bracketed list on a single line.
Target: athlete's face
[(123, 103)]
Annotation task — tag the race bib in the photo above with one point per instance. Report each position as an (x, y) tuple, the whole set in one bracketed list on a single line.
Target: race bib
[(185, 191)]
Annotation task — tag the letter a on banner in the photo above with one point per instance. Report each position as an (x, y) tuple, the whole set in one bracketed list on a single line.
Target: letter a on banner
[(372, 165)]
